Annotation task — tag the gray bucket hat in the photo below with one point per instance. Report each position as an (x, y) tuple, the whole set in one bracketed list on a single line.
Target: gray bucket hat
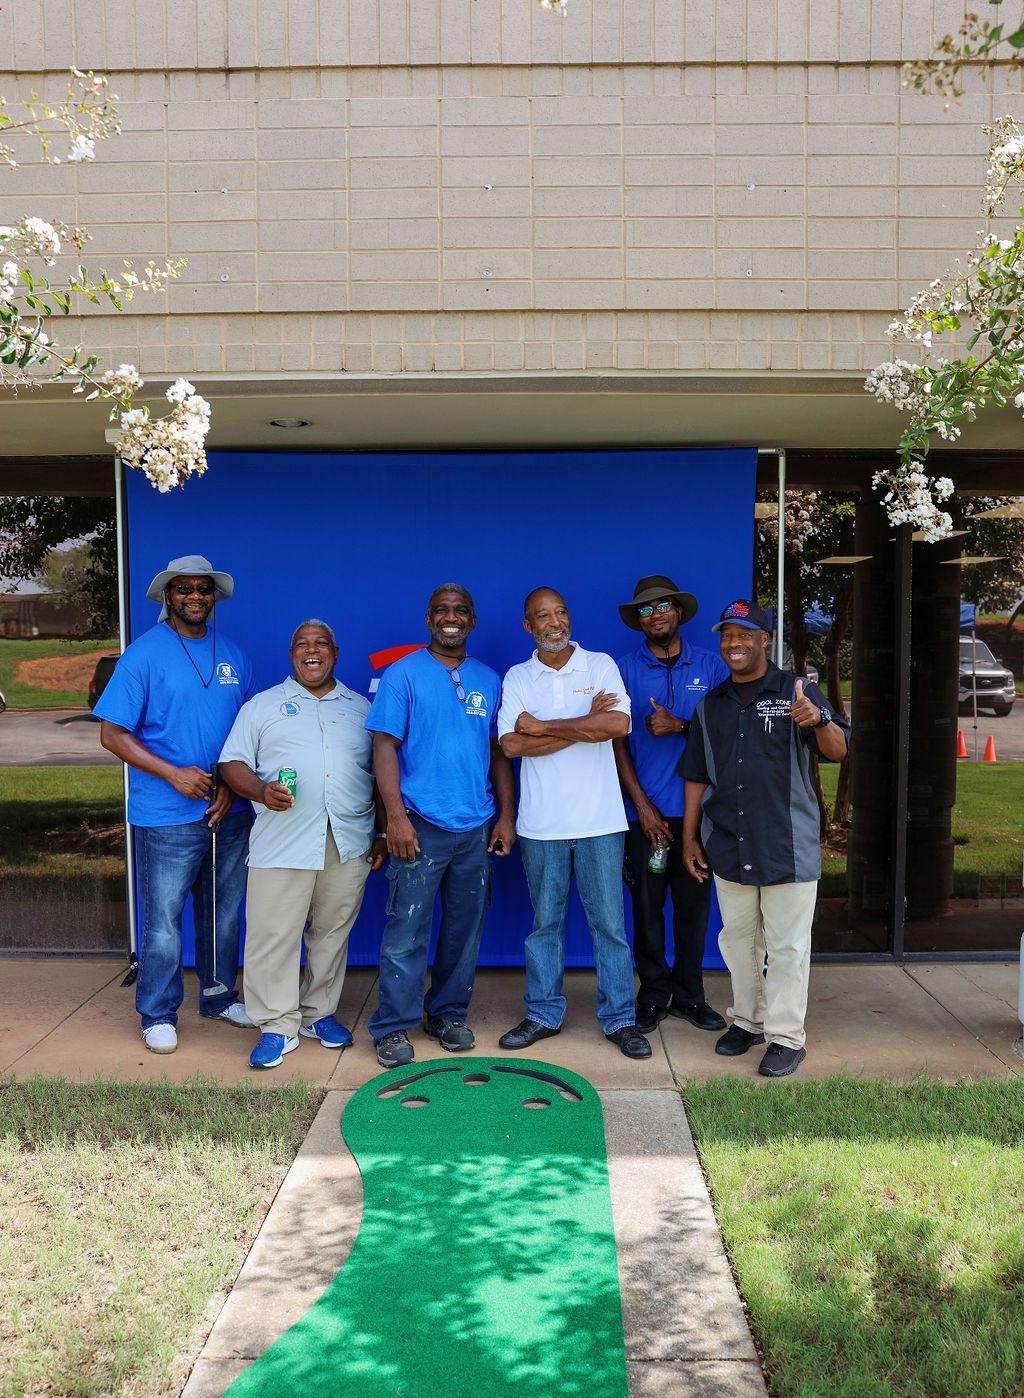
[(191, 565)]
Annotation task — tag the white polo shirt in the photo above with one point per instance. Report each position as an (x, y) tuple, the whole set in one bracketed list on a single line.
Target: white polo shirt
[(572, 794)]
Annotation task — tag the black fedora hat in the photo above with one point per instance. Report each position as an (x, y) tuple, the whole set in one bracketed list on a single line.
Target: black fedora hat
[(650, 589)]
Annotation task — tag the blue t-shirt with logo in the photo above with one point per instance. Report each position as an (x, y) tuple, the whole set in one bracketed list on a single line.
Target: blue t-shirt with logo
[(156, 693), (444, 753), (680, 688)]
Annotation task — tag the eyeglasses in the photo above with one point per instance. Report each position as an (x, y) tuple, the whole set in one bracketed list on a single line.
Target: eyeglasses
[(457, 682), (187, 589), (665, 605)]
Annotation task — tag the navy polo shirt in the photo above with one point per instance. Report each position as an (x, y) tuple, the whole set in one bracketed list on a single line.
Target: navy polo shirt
[(680, 687), (761, 823)]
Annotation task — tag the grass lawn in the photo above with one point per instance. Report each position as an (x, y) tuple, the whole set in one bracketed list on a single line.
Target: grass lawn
[(125, 1208), (27, 696), (986, 827), (876, 1229), (61, 822)]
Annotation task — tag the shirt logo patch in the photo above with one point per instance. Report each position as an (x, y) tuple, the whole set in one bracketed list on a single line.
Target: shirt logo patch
[(587, 689), (697, 683), (226, 673), (770, 709), (289, 708), (476, 704)]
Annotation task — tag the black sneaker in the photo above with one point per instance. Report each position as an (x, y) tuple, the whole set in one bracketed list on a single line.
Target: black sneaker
[(452, 1034), (780, 1060), (736, 1041), (649, 1016), (394, 1050), (630, 1041), (702, 1015)]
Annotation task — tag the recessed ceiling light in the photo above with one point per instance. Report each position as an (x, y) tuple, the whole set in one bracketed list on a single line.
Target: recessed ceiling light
[(288, 422)]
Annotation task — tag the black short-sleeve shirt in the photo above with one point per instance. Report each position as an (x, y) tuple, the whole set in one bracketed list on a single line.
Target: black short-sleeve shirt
[(761, 823)]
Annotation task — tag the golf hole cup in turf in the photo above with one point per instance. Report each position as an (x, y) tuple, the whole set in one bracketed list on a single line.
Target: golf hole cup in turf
[(485, 1263)]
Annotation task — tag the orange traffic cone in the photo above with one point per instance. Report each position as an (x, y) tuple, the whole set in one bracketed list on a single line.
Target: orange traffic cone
[(990, 750), (961, 746)]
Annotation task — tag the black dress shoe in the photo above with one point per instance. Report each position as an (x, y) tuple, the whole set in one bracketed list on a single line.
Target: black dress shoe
[(648, 1016), (779, 1061), (527, 1032), (736, 1041), (702, 1015), (630, 1041)]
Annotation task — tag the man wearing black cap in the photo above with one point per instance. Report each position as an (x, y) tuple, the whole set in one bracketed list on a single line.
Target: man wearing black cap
[(748, 770), (666, 678), (170, 704)]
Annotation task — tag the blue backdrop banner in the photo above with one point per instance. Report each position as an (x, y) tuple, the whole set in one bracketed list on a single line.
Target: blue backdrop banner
[(361, 539)]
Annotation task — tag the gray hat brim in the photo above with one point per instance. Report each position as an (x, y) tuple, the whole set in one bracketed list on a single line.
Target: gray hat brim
[(191, 565)]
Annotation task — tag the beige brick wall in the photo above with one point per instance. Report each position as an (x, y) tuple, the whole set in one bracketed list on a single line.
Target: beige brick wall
[(466, 186)]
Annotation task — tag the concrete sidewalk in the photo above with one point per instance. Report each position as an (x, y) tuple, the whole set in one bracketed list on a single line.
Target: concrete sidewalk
[(686, 1329), (72, 1018)]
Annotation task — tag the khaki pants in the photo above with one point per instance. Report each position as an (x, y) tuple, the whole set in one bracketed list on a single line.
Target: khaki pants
[(773, 920), (278, 902)]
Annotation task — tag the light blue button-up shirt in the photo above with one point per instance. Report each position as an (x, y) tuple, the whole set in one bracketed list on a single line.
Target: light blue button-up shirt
[(332, 753)]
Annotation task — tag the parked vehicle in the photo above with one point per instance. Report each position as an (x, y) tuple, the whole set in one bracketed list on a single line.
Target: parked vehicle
[(3, 702), (984, 678), (101, 677)]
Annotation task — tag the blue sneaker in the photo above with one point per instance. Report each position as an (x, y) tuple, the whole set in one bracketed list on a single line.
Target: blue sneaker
[(271, 1049), (328, 1030)]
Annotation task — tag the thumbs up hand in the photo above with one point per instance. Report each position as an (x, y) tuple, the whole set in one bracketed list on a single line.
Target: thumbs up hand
[(661, 722), (803, 713)]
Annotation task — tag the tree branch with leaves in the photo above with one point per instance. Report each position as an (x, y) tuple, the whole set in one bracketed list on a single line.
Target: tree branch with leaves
[(168, 449)]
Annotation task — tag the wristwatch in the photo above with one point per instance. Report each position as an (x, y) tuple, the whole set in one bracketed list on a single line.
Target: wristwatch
[(684, 726), (825, 720)]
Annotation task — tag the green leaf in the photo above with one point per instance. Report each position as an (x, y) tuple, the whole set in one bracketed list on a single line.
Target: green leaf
[(1016, 41), (26, 277)]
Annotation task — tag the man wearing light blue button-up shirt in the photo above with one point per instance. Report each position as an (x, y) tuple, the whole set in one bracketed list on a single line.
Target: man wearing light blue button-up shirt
[(309, 854)]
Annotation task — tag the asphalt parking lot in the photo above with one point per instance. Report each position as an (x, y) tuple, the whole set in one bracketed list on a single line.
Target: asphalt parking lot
[(50, 738)]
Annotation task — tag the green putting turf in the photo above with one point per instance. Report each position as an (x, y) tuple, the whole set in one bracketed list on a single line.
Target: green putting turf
[(485, 1263)]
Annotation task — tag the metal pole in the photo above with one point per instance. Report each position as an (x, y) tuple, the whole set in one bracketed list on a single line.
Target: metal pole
[(122, 619), (780, 562), (974, 678)]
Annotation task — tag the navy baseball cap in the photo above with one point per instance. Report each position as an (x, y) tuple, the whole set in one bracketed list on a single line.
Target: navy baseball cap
[(743, 612)]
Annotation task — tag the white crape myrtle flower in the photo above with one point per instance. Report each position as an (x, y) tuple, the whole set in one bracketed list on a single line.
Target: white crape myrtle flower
[(82, 148), (557, 7), (124, 379), (168, 449), (9, 280), (41, 237)]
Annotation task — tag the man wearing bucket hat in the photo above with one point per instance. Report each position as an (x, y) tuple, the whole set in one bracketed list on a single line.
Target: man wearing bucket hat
[(665, 678), (166, 712), (752, 816)]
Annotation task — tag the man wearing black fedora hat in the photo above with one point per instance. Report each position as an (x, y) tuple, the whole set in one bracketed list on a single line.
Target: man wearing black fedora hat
[(666, 678), (166, 712)]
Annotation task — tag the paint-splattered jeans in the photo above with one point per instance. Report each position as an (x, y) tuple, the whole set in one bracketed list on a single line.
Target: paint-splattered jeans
[(456, 865)]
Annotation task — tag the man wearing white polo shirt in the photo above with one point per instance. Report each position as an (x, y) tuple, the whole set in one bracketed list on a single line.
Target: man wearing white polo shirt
[(560, 711), (309, 854)]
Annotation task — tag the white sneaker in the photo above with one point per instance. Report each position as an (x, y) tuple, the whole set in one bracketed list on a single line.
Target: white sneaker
[(160, 1038), (235, 1014)]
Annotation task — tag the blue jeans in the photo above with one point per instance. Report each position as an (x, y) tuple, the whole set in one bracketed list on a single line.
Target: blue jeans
[(175, 860), (456, 865), (597, 863)]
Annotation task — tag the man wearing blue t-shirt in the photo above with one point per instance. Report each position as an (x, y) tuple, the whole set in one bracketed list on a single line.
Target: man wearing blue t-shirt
[(443, 780), (665, 678), (166, 712)]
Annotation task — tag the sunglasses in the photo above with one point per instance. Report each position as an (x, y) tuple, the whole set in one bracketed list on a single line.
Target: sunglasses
[(457, 682), (187, 589), (663, 606)]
